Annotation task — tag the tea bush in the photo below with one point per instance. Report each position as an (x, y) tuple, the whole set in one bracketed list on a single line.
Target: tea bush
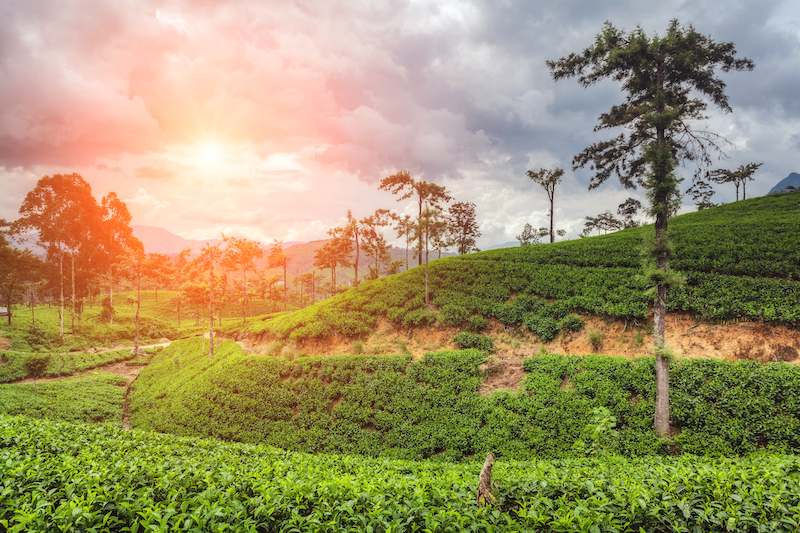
[(394, 406)]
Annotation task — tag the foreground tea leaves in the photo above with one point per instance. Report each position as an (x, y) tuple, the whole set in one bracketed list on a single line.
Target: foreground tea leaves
[(70, 477)]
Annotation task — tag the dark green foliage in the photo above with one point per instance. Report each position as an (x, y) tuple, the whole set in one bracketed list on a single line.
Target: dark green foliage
[(466, 340), (477, 323), (73, 477), (454, 315), (571, 323), (395, 407), (545, 327)]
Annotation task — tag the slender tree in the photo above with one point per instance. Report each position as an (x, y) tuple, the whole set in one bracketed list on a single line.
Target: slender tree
[(463, 226), (353, 232), (278, 259), (428, 195), (374, 242), (209, 257), (738, 177), (241, 254), (627, 210), (548, 180), (405, 227), (701, 192), (117, 236), (667, 79)]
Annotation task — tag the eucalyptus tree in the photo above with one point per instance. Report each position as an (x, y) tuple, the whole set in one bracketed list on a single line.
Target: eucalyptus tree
[(117, 236), (65, 218), (428, 194), (668, 81), (548, 180)]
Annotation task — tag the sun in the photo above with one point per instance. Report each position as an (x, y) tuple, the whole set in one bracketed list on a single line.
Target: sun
[(210, 153)]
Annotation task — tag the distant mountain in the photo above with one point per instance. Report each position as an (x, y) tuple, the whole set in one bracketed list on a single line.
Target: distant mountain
[(504, 245), (161, 241), (792, 179)]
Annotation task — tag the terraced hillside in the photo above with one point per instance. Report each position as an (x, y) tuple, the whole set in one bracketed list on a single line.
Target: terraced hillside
[(741, 262)]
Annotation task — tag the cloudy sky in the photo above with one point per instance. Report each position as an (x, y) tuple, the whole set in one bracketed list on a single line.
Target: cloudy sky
[(272, 119)]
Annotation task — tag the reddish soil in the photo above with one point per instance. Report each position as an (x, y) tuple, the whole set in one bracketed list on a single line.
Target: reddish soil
[(730, 342)]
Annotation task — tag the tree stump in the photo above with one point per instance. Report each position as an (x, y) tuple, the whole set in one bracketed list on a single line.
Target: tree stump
[(485, 482)]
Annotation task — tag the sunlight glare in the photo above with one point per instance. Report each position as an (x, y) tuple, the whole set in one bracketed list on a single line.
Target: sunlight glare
[(211, 153)]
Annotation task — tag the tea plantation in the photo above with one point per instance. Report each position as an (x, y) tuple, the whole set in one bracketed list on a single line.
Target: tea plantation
[(73, 477), (741, 262), (391, 406)]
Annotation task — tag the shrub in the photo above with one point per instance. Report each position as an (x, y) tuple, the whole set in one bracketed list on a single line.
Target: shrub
[(543, 326), (454, 315), (466, 340), (570, 323), (477, 323)]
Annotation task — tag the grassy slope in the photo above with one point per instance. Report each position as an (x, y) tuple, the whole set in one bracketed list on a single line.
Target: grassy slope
[(741, 262), (394, 406)]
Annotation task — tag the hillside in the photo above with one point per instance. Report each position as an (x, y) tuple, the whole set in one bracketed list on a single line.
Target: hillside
[(741, 263), (432, 407)]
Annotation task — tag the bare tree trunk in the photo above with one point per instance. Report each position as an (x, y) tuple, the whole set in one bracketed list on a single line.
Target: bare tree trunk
[(211, 311), (111, 293), (485, 482), (61, 295), (138, 306), (72, 275), (426, 267)]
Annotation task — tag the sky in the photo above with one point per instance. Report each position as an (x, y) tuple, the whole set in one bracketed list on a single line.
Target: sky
[(270, 120)]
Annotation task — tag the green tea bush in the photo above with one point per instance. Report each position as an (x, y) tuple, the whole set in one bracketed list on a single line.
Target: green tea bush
[(545, 327), (96, 398), (571, 322), (740, 262), (454, 315), (396, 407), (477, 323), (74, 477), (59, 364), (466, 340)]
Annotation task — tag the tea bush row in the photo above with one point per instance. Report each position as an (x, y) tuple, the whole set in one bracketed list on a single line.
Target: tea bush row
[(741, 262), (95, 398), (60, 364), (393, 406), (74, 477)]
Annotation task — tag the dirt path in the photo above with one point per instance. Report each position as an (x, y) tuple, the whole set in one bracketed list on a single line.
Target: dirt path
[(120, 368)]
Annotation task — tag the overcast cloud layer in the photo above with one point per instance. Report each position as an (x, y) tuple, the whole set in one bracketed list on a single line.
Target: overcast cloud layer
[(271, 120)]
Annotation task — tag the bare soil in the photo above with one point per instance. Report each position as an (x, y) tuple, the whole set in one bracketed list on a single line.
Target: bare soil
[(689, 339)]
